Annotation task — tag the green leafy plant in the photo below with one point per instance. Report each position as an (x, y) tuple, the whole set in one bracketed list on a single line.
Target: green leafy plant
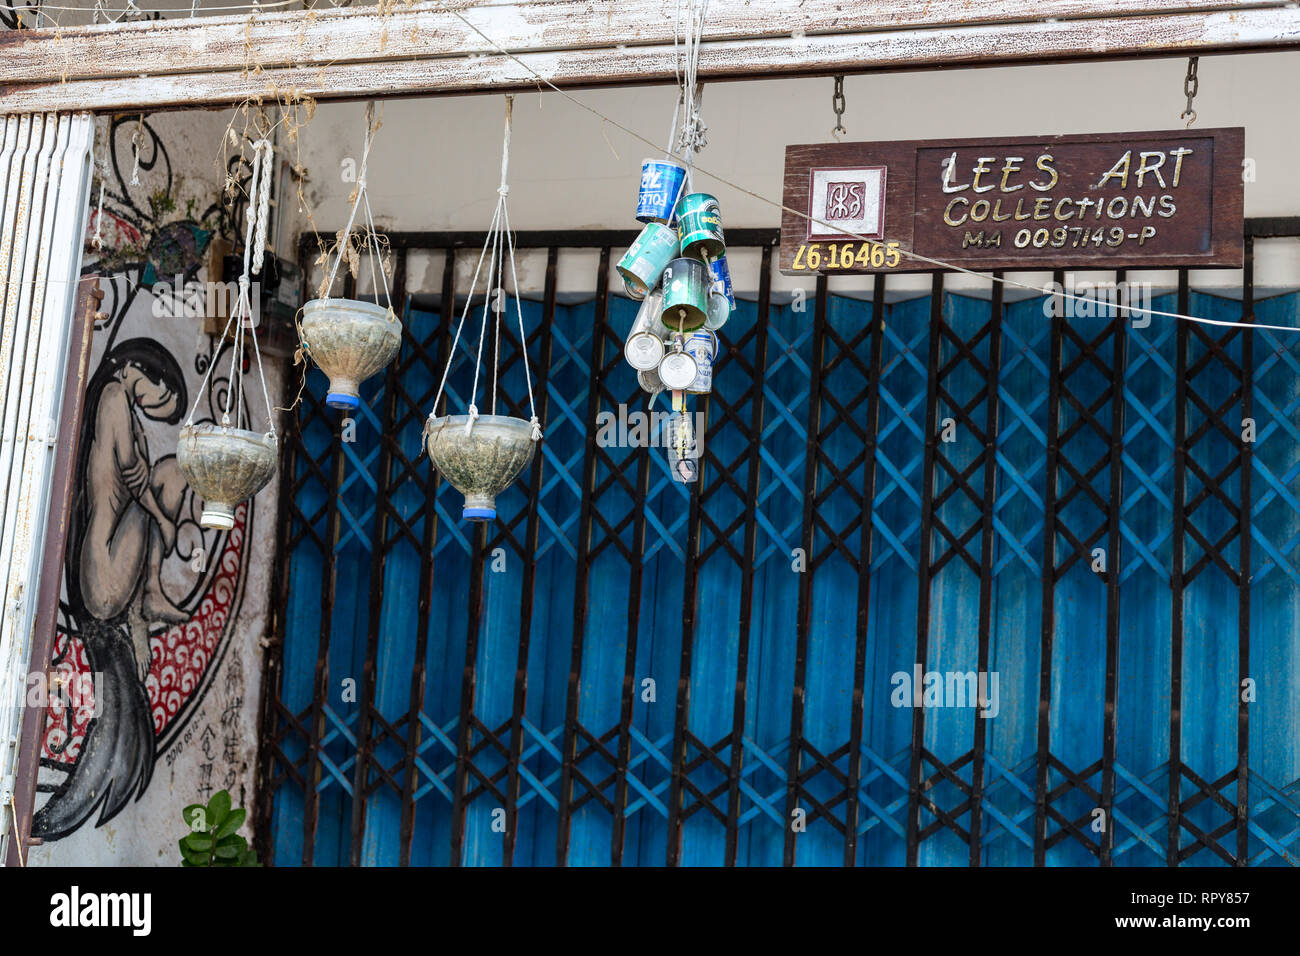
[(213, 840)]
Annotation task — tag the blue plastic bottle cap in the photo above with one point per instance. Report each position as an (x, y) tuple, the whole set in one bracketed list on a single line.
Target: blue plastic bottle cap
[(479, 514), (338, 400)]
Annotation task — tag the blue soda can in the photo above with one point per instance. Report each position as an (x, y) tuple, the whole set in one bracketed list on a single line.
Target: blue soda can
[(722, 273), (661, 184)]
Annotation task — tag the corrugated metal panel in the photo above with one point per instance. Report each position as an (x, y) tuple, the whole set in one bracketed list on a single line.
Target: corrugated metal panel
[(45, 170)]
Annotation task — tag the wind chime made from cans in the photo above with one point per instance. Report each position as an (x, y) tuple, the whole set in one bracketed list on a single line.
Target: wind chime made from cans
[(677, 268), (223, 463), (482, 454), (349, 339)]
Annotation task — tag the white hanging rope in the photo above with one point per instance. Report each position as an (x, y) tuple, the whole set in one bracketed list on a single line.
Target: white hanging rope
[(259, 192), (523, 340), (101, 162), (692, 137), (672, 130), (378, 277), (464, 313), (136, 137), (263, 196), (482, 332), (259, 176), (361, 198), (492, 294)]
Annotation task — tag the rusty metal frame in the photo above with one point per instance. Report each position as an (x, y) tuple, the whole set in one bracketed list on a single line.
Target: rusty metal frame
[(55, 542)]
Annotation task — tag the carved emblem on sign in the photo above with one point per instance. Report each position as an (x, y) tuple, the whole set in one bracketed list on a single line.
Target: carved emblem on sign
[(845, 200), (852, 199)]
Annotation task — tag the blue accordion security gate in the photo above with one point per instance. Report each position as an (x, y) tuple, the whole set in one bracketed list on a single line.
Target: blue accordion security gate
[(623, 670)]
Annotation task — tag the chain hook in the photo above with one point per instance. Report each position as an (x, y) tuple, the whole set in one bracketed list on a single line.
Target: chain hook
[(837, 104), (1191, 84)]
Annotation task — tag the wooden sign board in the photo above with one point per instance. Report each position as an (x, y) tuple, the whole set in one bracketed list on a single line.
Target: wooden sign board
[(1101, 201)]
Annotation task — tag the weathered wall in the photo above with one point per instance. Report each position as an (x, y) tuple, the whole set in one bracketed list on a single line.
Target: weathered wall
[(166, 615)]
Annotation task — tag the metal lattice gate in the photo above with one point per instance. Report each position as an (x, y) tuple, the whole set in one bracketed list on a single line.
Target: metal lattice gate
[(619, 671)]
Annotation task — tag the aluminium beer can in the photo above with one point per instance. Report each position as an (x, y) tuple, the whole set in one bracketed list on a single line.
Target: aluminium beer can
[(699, 226), (644, 347), (678, 370), (722, 273), (661, 186), (719, 309), (646, 259), (650, 381), (703, 347)]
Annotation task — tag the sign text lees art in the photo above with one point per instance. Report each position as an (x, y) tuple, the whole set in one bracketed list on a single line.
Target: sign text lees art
[(1099, 201)]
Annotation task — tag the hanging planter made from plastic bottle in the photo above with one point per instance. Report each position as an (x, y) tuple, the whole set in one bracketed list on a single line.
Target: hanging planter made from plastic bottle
[(223, 463), (350, 339), (482, 454)]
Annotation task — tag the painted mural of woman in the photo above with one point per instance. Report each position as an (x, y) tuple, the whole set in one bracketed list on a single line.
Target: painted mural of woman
[(123, 525)]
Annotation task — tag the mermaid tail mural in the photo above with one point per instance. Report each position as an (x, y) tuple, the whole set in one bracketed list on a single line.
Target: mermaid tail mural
[(149, 597)]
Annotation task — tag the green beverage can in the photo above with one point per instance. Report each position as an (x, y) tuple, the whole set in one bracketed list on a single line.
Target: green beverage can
[(699, 226), (647, 258), (686, 295)]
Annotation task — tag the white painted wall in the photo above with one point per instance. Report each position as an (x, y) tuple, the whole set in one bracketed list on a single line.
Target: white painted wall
[(436, 161)]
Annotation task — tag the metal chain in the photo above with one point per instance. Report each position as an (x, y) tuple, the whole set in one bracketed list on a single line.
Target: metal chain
[(837, 104), (1191, 83)]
